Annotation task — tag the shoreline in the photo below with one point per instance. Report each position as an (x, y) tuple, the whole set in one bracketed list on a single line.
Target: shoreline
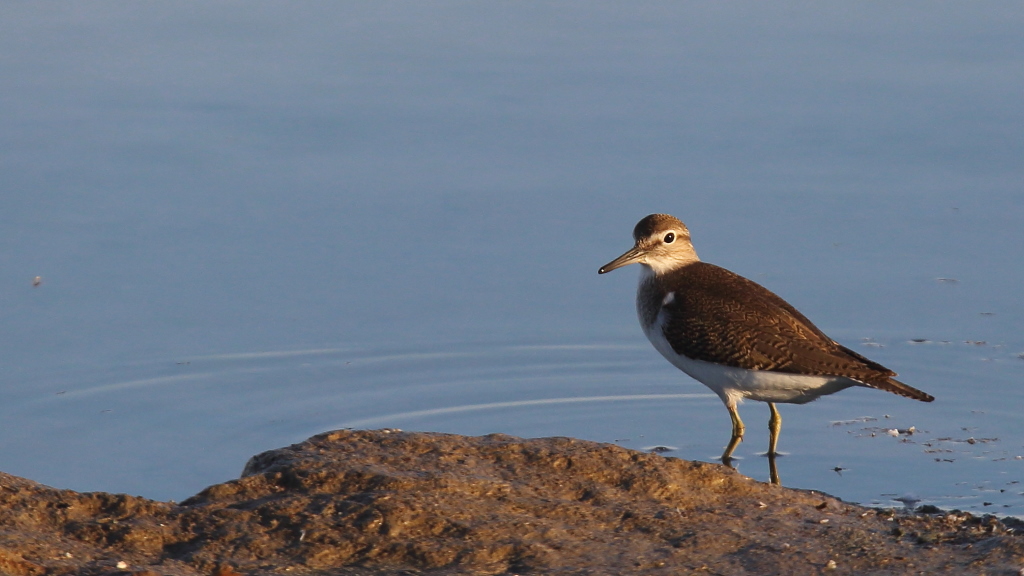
[(391, 502)]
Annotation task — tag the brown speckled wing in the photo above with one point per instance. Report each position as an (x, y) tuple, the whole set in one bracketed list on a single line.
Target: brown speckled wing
[(721, 317)]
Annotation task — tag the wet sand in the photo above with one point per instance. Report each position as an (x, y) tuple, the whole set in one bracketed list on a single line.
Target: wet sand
[(391, 502)]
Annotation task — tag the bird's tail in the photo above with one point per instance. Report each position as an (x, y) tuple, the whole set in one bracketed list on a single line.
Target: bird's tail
[(896, 387)]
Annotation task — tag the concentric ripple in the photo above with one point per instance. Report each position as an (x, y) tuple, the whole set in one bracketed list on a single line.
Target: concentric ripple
[(166, 429)]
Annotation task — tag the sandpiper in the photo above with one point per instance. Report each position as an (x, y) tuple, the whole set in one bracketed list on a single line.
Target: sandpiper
[(735, 336)]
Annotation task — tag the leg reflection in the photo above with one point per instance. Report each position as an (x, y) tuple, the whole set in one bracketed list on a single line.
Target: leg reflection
[(773, 470)]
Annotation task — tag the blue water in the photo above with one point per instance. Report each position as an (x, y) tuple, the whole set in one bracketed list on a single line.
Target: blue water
[(253, 223)]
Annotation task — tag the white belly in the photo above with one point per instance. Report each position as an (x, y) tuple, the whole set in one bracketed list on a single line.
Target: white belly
[(735, 384)]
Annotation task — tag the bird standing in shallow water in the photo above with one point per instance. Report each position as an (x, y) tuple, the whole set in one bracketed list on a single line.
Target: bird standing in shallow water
[(735, 336)]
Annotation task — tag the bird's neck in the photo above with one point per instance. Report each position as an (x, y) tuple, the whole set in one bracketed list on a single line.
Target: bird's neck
[(650, 292), (666, 264), (648, 303)]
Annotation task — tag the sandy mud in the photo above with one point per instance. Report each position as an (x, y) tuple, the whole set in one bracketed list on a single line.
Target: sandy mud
[(390, 502)]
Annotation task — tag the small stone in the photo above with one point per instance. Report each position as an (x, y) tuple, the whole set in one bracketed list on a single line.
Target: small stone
[(831, 565), (122, 565)]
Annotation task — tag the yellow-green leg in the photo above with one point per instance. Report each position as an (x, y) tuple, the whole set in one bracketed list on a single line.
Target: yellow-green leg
[(737, 434), (774, 427)]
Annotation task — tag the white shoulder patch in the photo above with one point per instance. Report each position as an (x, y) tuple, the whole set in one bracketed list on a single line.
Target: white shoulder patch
[(668, 299)]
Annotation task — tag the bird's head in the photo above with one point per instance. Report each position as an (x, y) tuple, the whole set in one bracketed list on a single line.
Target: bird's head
[(662, 243)]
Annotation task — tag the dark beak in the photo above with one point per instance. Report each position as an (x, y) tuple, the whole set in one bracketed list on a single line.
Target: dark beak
[(632, 256)]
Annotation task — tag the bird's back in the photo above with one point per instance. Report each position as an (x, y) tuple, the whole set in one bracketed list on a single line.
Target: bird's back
[(718, 316)]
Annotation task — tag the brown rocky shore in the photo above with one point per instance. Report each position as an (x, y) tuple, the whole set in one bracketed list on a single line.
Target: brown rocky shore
[(389, 502)]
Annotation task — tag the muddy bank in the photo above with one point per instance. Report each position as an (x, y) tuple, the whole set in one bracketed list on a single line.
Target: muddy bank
[(386, 502)]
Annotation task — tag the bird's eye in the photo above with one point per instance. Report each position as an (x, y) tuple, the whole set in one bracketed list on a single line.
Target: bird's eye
[(670, 238)]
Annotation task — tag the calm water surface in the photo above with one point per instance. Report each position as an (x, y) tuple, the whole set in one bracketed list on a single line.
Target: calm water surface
[(255, 222)]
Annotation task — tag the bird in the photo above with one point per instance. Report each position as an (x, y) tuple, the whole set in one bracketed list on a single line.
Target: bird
[(735, 336)]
